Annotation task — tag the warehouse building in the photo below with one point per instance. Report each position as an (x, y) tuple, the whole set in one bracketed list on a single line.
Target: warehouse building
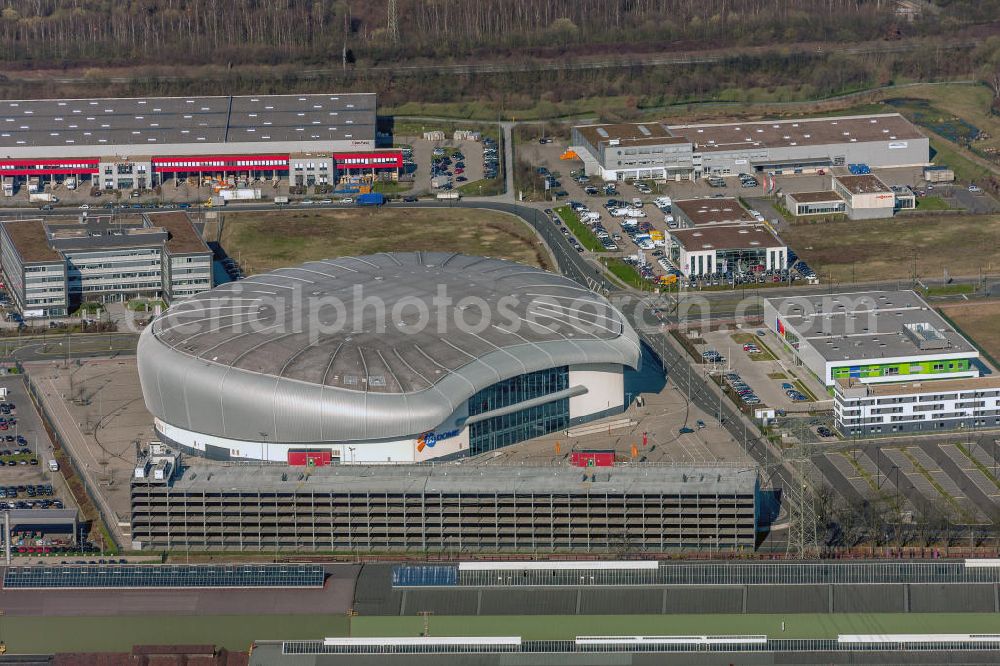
[(51, 266), (714, 211), (447, 508), (141, 143), (872, 337), (806, 145), (859, 197), (718, 250), (629, 151), (874, 410), (362, 360)]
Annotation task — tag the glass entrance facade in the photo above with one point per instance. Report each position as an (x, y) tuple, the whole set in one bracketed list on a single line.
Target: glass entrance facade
[(500, 431)]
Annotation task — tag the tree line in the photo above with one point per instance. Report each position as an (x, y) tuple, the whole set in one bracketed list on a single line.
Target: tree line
[(185, 32)]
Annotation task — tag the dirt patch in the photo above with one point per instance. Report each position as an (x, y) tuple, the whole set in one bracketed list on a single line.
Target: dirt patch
[(859, 250), (980, 321), (265, 241)]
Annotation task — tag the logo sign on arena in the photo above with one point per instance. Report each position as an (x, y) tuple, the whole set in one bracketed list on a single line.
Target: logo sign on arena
[(897, 144), (429, 439)]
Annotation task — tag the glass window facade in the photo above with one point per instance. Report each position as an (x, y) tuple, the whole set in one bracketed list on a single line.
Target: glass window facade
[(518, 389), (508, 429)]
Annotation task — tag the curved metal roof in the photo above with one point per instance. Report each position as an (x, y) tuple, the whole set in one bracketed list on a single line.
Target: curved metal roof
[(374, 347)]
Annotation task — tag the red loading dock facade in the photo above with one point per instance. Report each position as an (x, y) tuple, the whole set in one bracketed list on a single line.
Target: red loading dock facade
[(351, 164)]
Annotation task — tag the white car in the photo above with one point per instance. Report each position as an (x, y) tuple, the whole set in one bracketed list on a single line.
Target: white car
[(975, 189), (307, 202), (326, 201), (85, 207), (347, 200)]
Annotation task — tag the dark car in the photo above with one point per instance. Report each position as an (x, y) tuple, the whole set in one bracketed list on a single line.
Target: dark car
[(409, 199), (686, 431)]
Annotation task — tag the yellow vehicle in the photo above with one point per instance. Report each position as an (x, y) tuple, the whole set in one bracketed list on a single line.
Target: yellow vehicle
[(668, 279)]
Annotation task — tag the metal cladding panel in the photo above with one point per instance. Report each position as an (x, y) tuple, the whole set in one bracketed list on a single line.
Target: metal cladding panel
[(294, 402), (204, 405), (185, 392), (248, 407)]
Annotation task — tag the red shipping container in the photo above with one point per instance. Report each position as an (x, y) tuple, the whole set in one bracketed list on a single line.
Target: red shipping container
[(312, 458), (593, 458)]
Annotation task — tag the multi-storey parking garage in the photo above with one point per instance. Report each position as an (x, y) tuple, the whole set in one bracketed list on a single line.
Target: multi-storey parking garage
[(386, 358), (140, 143)]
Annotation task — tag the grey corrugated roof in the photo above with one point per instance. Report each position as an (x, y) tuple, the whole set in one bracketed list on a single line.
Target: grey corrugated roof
[(158, 121), (302, 353)]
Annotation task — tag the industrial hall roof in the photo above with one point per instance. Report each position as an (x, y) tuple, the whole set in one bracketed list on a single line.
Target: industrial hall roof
[(148, 122)]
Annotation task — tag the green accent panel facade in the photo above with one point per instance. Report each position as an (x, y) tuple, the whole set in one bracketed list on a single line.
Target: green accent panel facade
[(903, 369)]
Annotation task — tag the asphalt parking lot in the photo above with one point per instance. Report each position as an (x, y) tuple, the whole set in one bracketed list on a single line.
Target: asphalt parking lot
[(765, 372), (960, 478), (423, 153), (28, 426)]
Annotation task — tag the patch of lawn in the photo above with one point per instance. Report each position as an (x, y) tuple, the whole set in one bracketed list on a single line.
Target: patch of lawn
[(932, 203), (579, 229), (627, 274), (777, 375), (954, 289), (487, 187)]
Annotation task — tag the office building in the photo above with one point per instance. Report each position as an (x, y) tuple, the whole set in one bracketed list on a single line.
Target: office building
[(872, 337), (51, 266)]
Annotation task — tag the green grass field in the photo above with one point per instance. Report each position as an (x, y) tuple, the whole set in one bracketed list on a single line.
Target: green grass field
[(42, 635), (628, 274), (487, 187), (538, 627), (37, 634), (265, 241), (932, 203), (579, 229)]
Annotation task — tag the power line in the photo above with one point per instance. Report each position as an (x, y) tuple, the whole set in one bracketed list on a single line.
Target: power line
[(393, 23)]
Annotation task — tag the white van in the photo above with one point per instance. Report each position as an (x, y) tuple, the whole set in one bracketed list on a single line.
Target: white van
[(53, 466)]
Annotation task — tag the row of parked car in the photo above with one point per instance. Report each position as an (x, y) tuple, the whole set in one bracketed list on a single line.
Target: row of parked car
[(491, 158), (741, 388), (40, 490), (793, 393)]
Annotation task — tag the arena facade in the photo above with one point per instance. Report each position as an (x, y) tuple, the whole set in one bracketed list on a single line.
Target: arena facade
[(388, 358)]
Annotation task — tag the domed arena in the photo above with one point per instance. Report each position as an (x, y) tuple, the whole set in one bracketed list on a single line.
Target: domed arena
[(387, 358)]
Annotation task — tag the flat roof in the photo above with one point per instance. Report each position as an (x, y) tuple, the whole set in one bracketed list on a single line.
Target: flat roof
[(31, 240), (156, 121), (652, 133), (102, 232), (866, 325), (713, 211), (815, 197), (984, 383), (742, 237), (798, 132), (864, 184), (182, 237), (448, 478)]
